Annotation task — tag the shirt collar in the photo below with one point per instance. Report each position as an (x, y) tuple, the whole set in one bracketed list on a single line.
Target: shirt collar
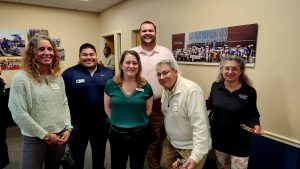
[(175, 89), (149, 53)]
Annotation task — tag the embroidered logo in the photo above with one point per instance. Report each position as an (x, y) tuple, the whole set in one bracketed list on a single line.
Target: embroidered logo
[(244, 97)]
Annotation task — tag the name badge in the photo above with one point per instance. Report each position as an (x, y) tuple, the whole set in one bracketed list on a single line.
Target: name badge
[(174, 108), (80, 81), (139, 89), (54, 86)]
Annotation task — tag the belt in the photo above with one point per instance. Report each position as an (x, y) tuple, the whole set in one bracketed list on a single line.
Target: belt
[(127, 130)]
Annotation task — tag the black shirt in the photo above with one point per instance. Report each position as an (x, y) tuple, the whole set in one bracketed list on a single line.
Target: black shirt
[(230, 109)]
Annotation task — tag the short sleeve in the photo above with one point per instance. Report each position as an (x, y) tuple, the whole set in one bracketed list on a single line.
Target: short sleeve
[(148, 90), (108, 87)]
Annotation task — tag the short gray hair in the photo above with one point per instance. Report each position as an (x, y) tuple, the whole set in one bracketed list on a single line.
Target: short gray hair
[(168, 62)]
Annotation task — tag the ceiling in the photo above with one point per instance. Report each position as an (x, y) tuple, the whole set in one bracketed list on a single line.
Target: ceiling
[(81, 5)]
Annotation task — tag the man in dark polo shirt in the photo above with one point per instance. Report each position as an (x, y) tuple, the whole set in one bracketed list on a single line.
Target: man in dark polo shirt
[(85, 83)]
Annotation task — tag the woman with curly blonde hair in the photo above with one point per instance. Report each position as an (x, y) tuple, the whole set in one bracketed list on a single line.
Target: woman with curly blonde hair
[(31, 64), (39, 106)]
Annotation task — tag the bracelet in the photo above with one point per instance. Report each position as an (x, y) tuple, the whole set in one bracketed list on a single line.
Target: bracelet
[(69, 127)]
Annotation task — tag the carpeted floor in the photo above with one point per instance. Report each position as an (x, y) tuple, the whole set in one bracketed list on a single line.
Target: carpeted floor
[(14, 146)]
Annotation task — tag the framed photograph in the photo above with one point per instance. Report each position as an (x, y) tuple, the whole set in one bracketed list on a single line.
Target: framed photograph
[(36, 32), (12, 43), (60, 50), (10, 63), (209, 47)]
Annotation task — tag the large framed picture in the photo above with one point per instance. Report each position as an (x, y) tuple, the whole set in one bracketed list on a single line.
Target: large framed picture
[(209, 47)]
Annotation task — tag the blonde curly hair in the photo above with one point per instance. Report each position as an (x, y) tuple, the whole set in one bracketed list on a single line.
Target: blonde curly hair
[(30, 64)]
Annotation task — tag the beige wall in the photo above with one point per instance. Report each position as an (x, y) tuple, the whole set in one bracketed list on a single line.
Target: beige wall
[(73, 28), (275, 75)]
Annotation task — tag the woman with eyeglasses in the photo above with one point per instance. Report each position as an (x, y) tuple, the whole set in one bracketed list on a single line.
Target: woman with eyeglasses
[(128, 103), (234, 115)]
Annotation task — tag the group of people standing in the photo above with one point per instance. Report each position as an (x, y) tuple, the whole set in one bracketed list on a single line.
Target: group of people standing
[(146, 111)]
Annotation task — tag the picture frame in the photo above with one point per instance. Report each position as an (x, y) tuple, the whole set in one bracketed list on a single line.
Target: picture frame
[(209, 47)]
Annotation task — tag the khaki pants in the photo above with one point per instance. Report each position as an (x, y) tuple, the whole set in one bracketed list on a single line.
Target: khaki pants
[(170, 154), (158, 131)]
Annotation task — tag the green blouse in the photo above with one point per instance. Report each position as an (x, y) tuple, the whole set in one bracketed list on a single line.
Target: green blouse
[(128, 111)]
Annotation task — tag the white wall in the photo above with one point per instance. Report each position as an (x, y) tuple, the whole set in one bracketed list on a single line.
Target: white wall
[(276, 75), (72, 27)]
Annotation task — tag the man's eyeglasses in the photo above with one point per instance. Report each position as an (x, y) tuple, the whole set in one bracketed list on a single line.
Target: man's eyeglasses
[(163, 73)]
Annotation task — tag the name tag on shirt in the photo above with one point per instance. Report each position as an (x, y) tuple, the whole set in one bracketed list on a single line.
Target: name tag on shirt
[(174, 108), (139, 89), (80, 81), (54, 86)]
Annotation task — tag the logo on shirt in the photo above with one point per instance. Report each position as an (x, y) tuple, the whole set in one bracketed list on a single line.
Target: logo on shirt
[(244, 97), (80, 81)]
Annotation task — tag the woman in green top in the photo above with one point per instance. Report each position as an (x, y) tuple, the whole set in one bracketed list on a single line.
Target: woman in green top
[(128, 103), (39, 106)]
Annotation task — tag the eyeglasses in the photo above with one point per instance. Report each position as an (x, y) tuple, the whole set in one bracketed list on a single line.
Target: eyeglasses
[(233, 69), (163, 73)]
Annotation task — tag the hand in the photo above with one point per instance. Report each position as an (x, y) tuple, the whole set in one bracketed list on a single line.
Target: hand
[(65, 136), (178, 163), (189, 164), (258, 130), (53, 139)]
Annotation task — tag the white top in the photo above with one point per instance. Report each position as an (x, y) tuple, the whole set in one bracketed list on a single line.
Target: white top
[(149, 60), (39, 108), (186, 120), (109, 62)]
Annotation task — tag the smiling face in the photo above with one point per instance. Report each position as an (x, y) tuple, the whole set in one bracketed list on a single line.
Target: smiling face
[(88, 58), (167, 76), (231, 71), (130, 66), (44, 53), (148, 34)]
